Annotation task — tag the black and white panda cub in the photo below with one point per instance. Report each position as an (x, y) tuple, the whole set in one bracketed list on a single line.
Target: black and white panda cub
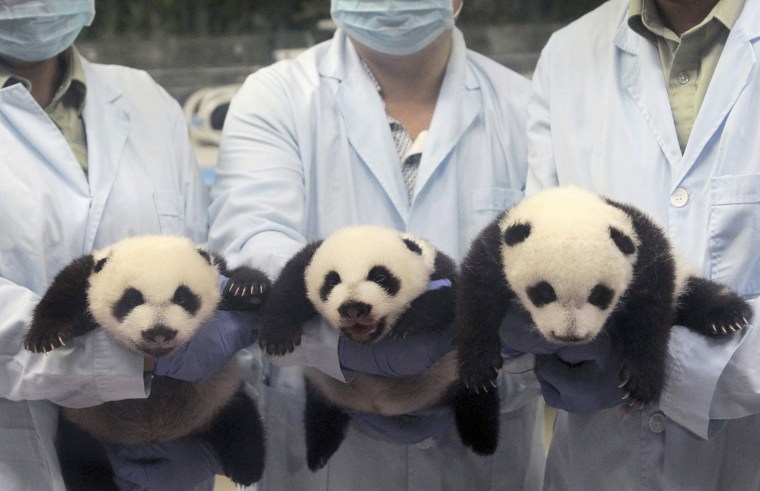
[(370, 282), (151, 294), (581, 264)]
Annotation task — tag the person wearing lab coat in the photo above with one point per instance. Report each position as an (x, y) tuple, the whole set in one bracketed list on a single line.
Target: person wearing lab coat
[(89, 154), (656, 103), (311, 145)]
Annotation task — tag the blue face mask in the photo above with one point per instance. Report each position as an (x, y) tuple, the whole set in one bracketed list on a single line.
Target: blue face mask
[(394, 27), (43, 33)]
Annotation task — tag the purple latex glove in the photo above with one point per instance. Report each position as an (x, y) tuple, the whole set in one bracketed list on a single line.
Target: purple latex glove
[(175, 465), (410, 428), (216, 342), (581, 378), (395, 357), (519, 335)]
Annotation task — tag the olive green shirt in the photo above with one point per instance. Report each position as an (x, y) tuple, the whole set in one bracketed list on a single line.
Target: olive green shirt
[(68, 102), (688, 61)]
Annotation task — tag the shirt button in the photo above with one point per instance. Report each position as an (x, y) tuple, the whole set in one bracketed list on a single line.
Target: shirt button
[(657, 423), (682, 78), (426, 443), (679, 198)]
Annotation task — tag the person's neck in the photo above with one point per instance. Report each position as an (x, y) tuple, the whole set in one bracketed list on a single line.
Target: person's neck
[(411, 83), (682, 15), (44, 76)]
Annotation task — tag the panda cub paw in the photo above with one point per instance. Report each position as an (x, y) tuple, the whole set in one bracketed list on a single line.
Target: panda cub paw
[(479, 369), (640, 388), (279, 341), (712, 309), (40, 340), (246, 289)]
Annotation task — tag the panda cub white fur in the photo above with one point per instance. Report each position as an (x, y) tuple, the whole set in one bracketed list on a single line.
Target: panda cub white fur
[(581, 265), (370, 282), (151, 294)]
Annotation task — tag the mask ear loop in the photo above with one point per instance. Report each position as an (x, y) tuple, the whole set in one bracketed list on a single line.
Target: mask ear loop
[(456, 14)]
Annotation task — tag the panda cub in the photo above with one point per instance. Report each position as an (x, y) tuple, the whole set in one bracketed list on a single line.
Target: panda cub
[(581, 264), (151, 294), (368, 283)]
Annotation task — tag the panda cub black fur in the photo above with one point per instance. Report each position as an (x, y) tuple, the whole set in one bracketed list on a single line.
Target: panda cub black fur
[(368, 283), (151, 294), (581, 264)]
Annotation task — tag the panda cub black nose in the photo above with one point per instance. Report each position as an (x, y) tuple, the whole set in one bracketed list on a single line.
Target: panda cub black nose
[(354, 310), (159, 334)]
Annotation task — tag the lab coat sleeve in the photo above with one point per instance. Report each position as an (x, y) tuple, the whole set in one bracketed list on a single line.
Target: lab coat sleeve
[(542, 171), (88, 371), (258, 201), (258, 210), (712, 380)]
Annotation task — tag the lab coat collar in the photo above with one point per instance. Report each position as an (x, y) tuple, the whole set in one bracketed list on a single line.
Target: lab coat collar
[(642, 76), (367, 124), (107, 125)]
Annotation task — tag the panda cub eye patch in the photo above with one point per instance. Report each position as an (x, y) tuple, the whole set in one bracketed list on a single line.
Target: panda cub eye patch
[(383, 277), (601, 296), (542, 293), (131, 298), (332, 279), (185, 298)]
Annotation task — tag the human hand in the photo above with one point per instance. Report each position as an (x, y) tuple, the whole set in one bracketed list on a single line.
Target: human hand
[(581, 378), (410, 428), (395, 357), (208, 351), (174, 465)]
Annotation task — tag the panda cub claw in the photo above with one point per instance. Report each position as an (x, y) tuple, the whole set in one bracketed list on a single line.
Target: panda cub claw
[(43, 342), (479, 372), (640, 389), (279, 342), (246, 289)]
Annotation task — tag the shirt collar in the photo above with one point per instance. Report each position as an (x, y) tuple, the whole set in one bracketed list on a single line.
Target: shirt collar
[(645, 20), (73, 88)]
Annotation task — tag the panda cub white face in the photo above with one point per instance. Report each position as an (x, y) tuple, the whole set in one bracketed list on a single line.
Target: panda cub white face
[(569, 256), (152, 293), (362, 279)]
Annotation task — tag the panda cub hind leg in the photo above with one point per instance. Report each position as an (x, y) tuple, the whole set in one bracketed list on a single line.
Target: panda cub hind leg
[(477, 419), (711, 309), (325, 426), (237, 436)]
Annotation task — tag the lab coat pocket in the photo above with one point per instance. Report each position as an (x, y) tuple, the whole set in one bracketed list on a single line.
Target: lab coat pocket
[(734, 232), (22, 464), (170, 212), (488, 202)]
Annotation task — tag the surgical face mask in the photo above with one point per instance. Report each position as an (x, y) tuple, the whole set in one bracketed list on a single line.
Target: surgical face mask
[(37, 30), (394, 27)]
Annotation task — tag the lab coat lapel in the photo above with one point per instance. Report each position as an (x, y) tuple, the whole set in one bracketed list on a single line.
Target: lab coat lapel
[(33, 124), (366, 122), (642, 77), (107, 126), (727, 83), (458, 103)]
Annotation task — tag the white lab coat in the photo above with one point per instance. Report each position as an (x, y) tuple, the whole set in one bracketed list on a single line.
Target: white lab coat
[(307, 149), (600, 117), (142, 179)]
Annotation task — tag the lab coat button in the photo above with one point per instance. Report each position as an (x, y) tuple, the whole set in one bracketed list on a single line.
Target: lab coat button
[(682, 78), (657, 423), (426, 443), (679, 198)]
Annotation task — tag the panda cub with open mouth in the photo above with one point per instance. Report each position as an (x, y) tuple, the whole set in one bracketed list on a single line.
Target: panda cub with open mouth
[(368, 283)]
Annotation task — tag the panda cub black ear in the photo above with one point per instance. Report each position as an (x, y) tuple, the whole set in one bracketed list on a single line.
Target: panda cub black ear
[(99, 265), (413, 246), (214, 260), (622, 241), (514, 234)]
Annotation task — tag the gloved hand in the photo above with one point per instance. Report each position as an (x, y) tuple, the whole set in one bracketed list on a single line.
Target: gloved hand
[(175, 465), (208, 351), (395, 357), (411, 428), (581, 378)]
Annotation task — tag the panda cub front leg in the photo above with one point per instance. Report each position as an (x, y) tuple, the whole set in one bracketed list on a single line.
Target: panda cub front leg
[(711, 309)]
